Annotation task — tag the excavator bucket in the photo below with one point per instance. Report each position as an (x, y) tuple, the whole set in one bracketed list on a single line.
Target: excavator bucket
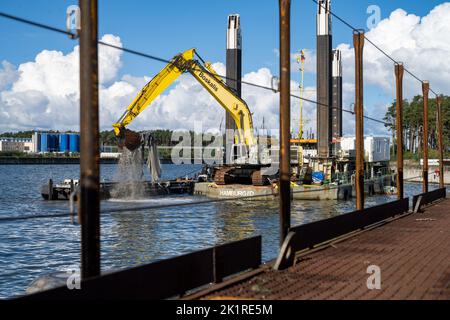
[(129, 139)]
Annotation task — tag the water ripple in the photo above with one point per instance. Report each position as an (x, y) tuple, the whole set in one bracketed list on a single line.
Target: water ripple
[(29, 248)]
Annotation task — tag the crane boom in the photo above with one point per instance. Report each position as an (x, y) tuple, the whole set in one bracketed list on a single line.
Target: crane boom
[(208, 78)]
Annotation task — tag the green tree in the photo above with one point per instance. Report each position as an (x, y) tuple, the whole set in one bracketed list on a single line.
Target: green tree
[(413, 124)]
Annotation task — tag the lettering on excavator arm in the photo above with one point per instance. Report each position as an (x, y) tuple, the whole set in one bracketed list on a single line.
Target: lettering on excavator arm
[(208, 78)]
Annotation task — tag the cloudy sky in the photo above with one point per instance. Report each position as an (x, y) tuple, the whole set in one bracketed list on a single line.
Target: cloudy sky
[(39, 82)]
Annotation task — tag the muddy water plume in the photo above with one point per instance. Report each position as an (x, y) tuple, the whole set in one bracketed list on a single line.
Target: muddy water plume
[(129, 176)]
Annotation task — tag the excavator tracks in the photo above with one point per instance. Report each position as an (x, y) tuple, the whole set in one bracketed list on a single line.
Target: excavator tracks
[(221, 176), (246, 176), (258, 179)]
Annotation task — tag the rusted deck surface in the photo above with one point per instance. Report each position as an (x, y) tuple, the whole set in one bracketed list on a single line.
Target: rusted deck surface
[(413, 254)]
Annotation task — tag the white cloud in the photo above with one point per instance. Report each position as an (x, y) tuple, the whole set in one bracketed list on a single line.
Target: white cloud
[(44, 93), (188, 102), (310, 61), (8, 75), (421, 43), (109, 59)]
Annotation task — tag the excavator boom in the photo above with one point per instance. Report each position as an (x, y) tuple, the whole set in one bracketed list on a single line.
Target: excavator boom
[(207, 77), (152, 90)]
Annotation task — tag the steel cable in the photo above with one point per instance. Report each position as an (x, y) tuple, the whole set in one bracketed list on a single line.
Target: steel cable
[(183, 204), (145, 55), (163, 206), (159, 59), (373, 44)]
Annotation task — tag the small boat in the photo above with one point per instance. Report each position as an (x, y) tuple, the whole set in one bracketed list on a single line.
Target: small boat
[(390, 190)]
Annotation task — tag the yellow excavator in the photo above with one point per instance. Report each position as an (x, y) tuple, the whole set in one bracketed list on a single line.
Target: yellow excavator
[(250, 171)]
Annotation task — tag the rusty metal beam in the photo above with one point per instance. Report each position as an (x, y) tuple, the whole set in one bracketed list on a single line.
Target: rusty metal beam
[(441, 142), (426, 91), (399, 71), (89, 200), (358, 42), (285, 118)]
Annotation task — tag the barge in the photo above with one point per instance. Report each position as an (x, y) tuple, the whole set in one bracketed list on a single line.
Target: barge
[(64, 190)]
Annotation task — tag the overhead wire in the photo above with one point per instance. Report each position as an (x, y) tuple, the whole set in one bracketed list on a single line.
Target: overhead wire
[(179, 204), (159, 59), (164, 206), (354, 29), (152, 57)]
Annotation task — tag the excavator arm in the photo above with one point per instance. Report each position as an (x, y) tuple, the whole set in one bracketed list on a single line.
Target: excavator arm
[(153, 89), (234, 105), (208, 78)]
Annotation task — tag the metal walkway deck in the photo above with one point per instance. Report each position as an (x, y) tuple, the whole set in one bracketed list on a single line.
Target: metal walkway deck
[(413, 254)]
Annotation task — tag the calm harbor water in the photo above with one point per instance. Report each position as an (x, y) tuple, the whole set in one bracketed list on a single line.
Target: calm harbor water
[(30, 248)]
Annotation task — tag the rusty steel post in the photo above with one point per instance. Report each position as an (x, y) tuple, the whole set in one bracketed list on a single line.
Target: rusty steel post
[(89, 201), (441, 142), (285, 119), (399, 71), (358, 42), (425, 90)]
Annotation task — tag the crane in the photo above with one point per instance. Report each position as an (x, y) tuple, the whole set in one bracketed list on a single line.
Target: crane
[(209, 79), (301, 60)]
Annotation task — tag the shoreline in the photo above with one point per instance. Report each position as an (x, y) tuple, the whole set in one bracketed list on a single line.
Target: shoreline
[(44, 161)]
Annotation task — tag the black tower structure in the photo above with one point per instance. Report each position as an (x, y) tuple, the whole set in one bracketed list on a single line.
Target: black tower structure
[(234, 67), (324, 79), (336, 113)]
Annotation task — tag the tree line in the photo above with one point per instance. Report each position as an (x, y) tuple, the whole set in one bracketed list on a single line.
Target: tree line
[(108, 138), (162, 137), (413, 125)]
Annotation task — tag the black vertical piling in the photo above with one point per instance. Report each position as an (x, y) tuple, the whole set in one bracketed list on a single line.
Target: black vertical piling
[(234, 71), (324, 79)]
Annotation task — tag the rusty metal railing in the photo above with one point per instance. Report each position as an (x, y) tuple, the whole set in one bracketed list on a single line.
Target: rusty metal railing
[(166, 278), (89, 201), (309, 235), (428, 197)]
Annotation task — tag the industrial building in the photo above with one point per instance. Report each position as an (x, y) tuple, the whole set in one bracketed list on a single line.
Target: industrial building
[(376, 149), (56, 142), (42, 142), (16, 145)]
